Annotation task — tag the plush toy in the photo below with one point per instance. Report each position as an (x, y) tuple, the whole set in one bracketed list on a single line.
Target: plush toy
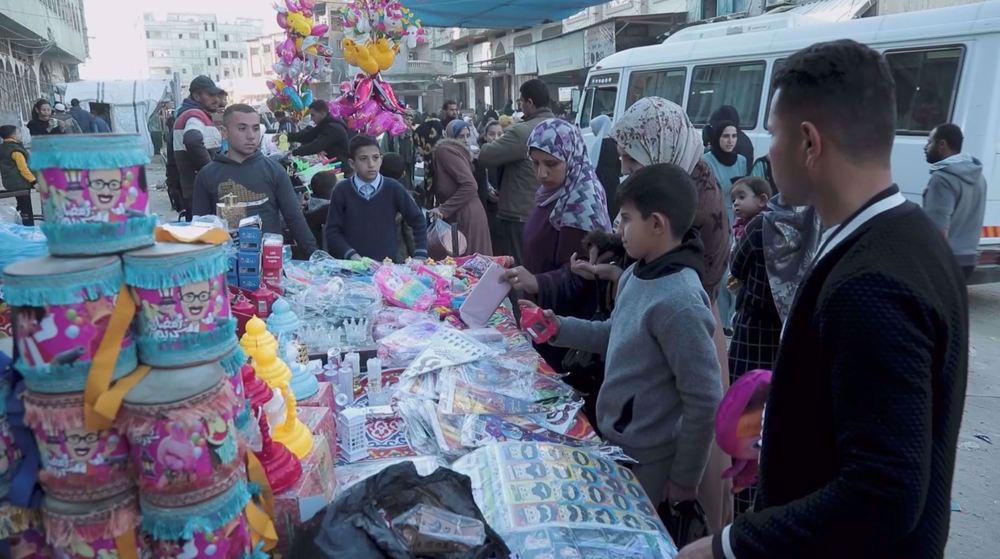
[(738, 426)]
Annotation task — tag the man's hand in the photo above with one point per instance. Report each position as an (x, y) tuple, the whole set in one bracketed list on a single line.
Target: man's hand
[(520, 278), (701, 549)]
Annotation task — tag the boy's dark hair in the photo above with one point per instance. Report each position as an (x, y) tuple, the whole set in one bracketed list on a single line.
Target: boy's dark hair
[(392, 166), (361, 141), (847, 90), (279, 114), (238, 108), (757, 185), (447, 102), (319, 105), (7, 131), (951, 134), (663, 188), (536, 90), (74, 103)]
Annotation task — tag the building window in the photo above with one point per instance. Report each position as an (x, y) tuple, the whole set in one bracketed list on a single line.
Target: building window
[(225, 37), (180, 35), (206, 44), (213, 27), (208, 60), (147, 35), (267, 48), (206, 26), (666, 83), (195, 36), (215, 45), (926, 83), (216, 60), (739, 84), (225, 54), (184, 70)]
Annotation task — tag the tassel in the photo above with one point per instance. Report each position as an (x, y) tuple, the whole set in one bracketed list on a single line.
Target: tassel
[(181, 269), (14, 520), (232, 362), (53, 413), (192, 347), (68, 151), (119, 518), (93, 239), (182, 523), (72, 377), (63, 289)]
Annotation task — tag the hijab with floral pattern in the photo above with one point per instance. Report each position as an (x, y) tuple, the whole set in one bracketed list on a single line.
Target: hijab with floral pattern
[(580, 201), (654, 130)]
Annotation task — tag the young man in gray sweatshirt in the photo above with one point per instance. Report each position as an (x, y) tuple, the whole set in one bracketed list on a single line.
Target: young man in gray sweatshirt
[(661, 386), (955, 198)]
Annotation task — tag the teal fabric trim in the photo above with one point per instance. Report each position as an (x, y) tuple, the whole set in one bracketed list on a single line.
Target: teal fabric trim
[(93, 239), (63, 289), (58, 379), (227, 451), (242, 420), (189, 348), (88, 151), (182, 523), (258, 552), (233, 362), (180, 269)]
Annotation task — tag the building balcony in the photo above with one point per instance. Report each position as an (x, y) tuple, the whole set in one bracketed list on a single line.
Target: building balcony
[(415, 68), (58, 25)]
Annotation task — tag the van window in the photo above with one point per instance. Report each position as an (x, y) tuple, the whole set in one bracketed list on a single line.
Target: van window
[(739, 84), (599, 101), (926, 82), (775, 68), (666, 83)]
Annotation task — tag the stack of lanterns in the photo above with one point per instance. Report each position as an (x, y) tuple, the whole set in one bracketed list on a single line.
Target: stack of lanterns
[(114, 322)]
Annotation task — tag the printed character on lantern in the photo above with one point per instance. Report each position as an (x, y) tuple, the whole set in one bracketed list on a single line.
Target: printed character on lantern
[(75, 451), (178, 455), (197, 305), (35, 328), (105, 191)]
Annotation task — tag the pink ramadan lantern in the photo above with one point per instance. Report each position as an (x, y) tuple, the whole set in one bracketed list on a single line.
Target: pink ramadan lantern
[(738, 426)]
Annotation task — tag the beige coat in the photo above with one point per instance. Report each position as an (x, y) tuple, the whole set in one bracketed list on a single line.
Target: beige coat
[(458, 195)]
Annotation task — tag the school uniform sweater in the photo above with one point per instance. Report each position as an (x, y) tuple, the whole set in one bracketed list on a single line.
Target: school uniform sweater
[(661, 384), (355, 225), (866, 401)]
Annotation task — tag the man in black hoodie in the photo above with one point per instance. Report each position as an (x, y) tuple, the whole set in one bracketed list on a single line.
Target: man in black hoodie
[(329, 134), (259, 183)]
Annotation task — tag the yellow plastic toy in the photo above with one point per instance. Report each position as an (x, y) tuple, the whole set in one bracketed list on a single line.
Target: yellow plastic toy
[(383, 53), (270, 369), (350, 49), (293, 433), (257, 337), (365, 60)]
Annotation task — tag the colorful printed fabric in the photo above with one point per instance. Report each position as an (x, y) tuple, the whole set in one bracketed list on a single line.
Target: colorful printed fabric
[(654, 130), (580, 202)]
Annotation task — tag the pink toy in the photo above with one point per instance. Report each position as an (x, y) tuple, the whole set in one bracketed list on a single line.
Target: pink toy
[(738, 426), (77, 464)]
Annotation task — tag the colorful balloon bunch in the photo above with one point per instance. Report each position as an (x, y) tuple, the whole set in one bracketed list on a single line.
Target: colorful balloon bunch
[(303, 57), (380, 28)]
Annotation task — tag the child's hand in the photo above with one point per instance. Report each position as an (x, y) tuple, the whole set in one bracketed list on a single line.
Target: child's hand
[(549, 316)]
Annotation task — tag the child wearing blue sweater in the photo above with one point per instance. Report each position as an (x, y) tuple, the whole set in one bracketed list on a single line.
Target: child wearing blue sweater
[(362, 216), (661, 386)]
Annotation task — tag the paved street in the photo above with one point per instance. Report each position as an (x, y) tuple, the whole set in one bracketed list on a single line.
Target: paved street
[(975, 532)]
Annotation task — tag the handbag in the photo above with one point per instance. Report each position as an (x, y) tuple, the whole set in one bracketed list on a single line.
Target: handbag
[(685, 520), (444, 240)]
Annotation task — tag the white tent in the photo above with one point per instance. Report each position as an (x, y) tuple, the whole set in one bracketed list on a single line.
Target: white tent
[(132, 102)]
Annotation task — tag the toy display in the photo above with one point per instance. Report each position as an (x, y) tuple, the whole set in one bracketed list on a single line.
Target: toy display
[(94, 193), (62, 311), (180, 290)]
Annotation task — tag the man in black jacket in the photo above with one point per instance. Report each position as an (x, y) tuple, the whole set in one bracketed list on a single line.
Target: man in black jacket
[(328, 134), (866, 401)]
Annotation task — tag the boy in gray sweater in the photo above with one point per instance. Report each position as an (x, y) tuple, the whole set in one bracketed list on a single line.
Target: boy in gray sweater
[(661, 386)]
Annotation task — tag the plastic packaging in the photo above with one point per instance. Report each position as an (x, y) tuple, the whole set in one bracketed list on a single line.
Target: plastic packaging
[(433, 531)]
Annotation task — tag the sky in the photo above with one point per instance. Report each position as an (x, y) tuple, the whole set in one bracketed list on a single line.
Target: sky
[(117, 41)]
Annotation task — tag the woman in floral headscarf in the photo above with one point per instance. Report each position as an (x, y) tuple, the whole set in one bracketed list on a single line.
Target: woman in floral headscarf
[(569, 204), (651, 131)]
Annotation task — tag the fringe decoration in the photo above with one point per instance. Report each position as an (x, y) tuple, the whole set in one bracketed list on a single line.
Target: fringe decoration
[(235, 360), (61, 379), (88, 151), (180, 269), (257, 553), (63, 289), (91, 525), (14, 520), (92, 239), (188, 348), (58, 412), (182, 523)]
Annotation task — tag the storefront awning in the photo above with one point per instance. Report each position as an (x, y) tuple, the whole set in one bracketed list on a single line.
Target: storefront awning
[(495, 13)]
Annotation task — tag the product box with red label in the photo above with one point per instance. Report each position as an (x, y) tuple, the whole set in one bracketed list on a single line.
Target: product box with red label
[(314, 490)]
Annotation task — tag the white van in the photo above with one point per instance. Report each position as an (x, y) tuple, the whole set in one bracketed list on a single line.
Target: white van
[(946, 64)]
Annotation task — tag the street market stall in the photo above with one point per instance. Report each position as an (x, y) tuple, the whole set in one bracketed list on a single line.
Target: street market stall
[(175, 391)]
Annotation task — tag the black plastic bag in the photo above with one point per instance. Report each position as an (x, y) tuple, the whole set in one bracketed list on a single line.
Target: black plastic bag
[(358, 524), (685, 520)]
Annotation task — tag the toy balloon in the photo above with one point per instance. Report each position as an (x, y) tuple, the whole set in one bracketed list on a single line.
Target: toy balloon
[(398, 126), (362, 88), (294, 96), (368, 110), (299, 23), (319, 30), (282, 20), (307, 97)]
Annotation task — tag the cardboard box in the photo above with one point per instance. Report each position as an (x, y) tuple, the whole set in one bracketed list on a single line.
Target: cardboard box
[(250, 233), (271, 258), (249, 281), (322, 399), (319, 420), (248, 262), (271, 277), (314, 490)]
